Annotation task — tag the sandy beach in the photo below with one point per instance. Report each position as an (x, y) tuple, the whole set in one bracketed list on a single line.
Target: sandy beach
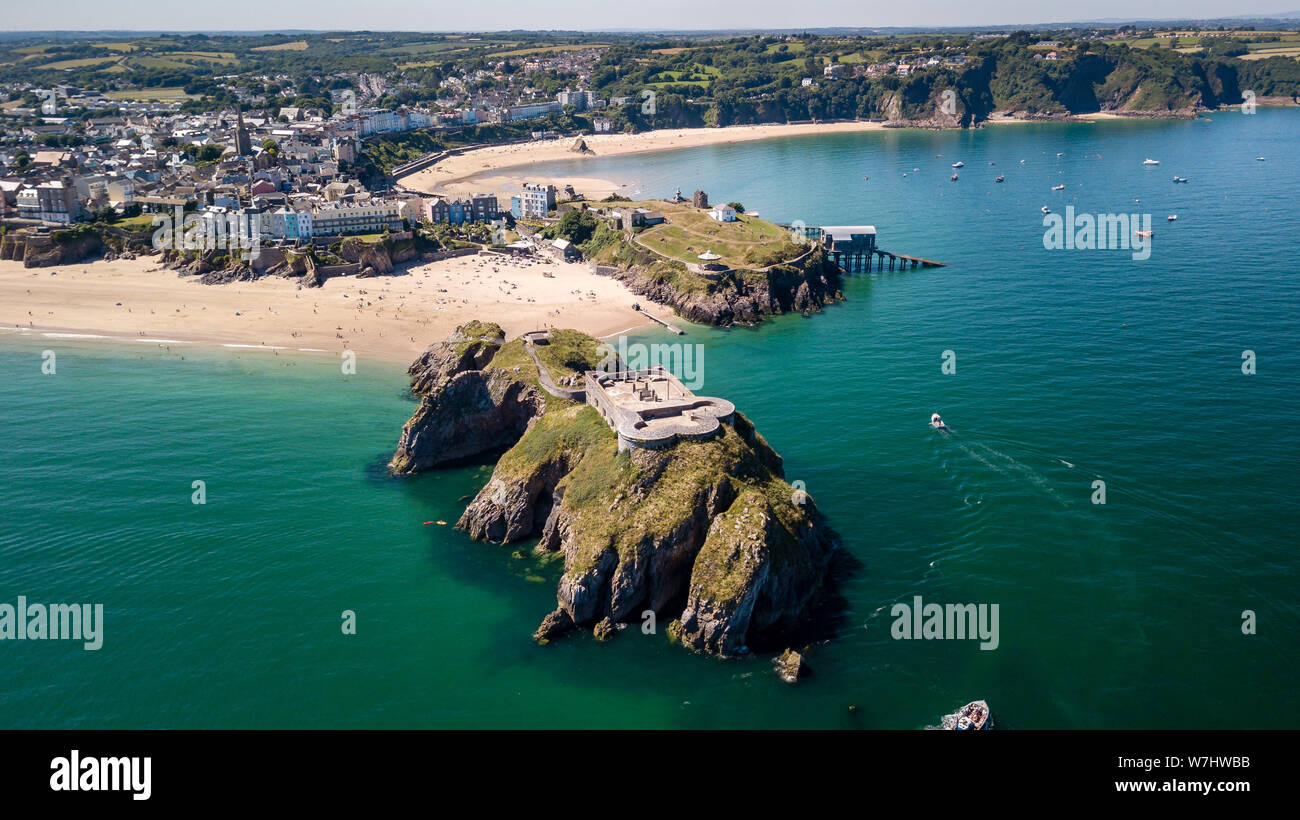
[(481, 170), (388, 317)]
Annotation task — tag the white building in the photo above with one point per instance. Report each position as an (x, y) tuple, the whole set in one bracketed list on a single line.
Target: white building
[(536, 200), (346, 218), (723, 213)]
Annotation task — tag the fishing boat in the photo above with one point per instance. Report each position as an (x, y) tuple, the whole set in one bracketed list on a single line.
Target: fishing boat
[(1058, 187), (937, 423), (1180, 179), (959, 164), (954, 177), (1149, 161), (973, 717), (999, 179), (1145, 233)]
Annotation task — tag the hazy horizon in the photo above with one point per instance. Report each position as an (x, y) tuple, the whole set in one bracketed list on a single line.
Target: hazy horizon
[(669, 15)]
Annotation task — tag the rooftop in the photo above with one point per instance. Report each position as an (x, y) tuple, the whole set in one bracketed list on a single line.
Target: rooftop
[(652, 408)]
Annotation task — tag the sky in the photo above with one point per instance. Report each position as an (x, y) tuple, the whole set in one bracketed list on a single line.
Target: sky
[(587, 15)]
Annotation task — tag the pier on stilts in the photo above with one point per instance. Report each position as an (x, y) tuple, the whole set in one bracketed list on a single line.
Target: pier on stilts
[(853, 249)]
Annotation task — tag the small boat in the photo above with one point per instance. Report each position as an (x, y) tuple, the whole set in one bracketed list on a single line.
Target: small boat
[(937, 423), (1180, 179), (992, 163), (1259, 159), (1000, 178), (973, 717), (1046, 210), (959, 164), (1058, 187), (954, 177), (1172, 217), (1145, 233), (1149, 161)]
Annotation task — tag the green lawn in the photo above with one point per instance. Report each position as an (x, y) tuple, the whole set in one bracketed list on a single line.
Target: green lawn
[(747, 242), (165, 93)]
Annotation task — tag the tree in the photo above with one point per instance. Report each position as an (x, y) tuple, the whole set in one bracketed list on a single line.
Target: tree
[(575, 226)]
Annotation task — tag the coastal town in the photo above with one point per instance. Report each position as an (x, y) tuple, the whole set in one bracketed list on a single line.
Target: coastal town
[(571, 367), (295, 139)]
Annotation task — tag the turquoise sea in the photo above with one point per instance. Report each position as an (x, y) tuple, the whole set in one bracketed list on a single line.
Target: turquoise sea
[(1072, 366)]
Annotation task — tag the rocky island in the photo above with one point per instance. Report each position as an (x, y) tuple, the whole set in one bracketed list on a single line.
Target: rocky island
[(683, 512)]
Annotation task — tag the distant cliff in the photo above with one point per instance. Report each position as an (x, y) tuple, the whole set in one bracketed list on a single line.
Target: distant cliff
[(706, 535), (66, 246)]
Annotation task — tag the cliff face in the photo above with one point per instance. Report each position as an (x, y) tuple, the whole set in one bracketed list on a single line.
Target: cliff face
[(466, 407), (48, 250), (706, 535), (739, 297)]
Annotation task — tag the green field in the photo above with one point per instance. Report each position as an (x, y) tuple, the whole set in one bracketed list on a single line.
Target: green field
[(689, 231), (296, 45), (177, 94), (83, 63)]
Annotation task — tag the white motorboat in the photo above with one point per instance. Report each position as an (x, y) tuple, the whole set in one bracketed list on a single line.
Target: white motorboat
[(1046, 210), (937, 423), (1172, 217), (1149, 161), (959, 164), (973, 717), (1058, 187)]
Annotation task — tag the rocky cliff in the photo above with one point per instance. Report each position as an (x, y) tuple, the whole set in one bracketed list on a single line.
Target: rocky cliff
[(704, 536), (61, 247), (737, 297), (467, 408)]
